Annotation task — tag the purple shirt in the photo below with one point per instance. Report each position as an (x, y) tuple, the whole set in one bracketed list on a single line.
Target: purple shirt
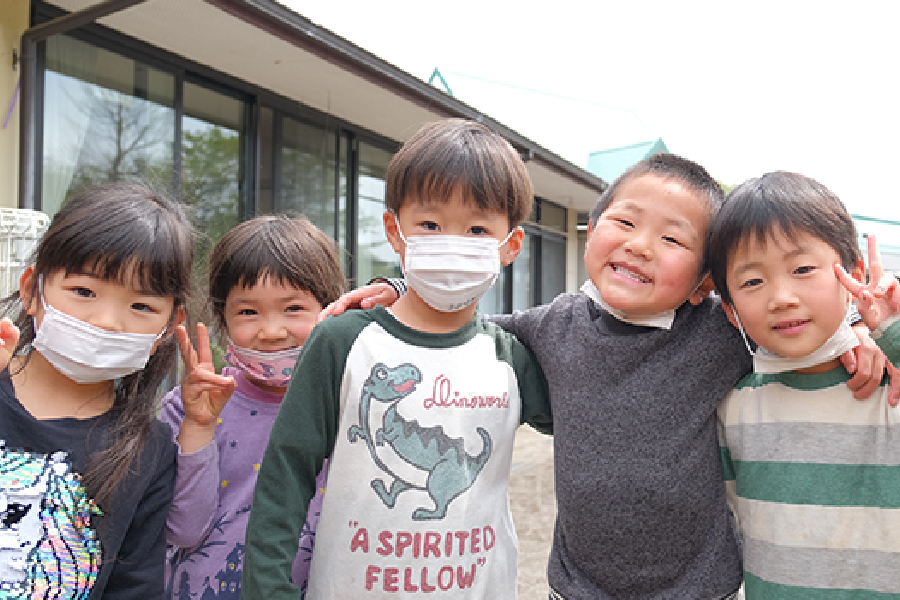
[(214, 486)]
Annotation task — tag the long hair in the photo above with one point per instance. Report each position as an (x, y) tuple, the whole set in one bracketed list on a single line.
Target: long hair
[(127, 233)]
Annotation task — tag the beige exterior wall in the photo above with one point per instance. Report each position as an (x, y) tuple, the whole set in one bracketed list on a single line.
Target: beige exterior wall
[(13, 22)]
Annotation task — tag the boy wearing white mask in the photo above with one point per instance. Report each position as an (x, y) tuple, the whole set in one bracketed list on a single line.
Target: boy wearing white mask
[(812, 474), (415, 407)]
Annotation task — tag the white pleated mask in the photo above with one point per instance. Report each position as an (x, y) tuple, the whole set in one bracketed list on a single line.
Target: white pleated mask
[(88, 354), (450, 272)]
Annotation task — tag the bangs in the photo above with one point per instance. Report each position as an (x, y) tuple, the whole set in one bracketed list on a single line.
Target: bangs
[(143, 249)]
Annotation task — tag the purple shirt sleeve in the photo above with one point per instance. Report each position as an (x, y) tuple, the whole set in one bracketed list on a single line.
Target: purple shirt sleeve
[(196, 483)]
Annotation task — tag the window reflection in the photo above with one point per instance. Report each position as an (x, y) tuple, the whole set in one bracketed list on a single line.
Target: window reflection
[(308, 156), (106, 118), (211, 169), (374, 254)]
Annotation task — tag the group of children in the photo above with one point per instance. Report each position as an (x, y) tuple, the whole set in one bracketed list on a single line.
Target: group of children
[(388, 440)]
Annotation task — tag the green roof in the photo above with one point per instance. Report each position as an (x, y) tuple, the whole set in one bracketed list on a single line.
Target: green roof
[(609, 164)]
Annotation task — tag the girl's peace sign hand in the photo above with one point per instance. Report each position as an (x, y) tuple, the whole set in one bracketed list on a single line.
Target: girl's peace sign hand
[(880, 297), (203, 392), (9, 337)]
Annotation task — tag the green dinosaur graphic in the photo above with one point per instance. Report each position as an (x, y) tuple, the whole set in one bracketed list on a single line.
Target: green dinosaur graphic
[(450, 470)]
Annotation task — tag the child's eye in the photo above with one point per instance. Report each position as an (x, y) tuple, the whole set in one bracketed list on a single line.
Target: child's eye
[(247, 312), (624, 222), (430, 226), (671, 240), (804, 270), (83, 292), (478, 230), (293, 308), (142, 307), (751, 283)]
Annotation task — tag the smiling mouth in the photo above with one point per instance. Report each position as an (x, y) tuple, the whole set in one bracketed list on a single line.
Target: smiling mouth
[(625, 272), (790, 324)]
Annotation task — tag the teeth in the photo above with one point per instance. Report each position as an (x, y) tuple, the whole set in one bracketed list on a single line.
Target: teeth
[(631, 274)]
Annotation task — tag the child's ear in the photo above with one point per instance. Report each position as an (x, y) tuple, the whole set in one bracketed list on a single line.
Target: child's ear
[(703, 290), (180, 316), (26, 291), (729, 313), (391, 231), (513, 246)]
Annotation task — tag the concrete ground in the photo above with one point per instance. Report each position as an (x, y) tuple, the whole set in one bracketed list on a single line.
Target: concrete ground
[(533, 504)]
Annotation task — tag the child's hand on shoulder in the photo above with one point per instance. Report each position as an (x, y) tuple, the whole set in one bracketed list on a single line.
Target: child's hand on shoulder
[(9, 337), (203, 392), (878, 299), (367, 296)]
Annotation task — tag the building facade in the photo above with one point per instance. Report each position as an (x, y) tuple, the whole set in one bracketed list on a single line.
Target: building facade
[(244, 107)]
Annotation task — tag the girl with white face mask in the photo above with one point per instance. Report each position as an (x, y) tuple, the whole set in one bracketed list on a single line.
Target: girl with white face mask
[(88, 472), (269, 279)]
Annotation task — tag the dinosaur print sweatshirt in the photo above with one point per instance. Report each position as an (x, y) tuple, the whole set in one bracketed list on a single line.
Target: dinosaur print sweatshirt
[(419, 431)]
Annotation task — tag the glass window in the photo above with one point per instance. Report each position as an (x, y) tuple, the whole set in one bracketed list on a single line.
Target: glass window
[(308, 156), (493, 301), (374, 254), (553, 267), (523, 269), (212, 177), (552, 216), (265, 204), (344, 236), (106, 118)]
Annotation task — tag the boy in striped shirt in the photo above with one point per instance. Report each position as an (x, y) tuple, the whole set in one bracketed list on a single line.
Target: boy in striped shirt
[(813, 475)]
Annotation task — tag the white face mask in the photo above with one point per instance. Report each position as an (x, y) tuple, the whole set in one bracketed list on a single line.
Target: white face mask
[(661, 320), (88, 354), (450, 272), (766, 362), (270, 368)]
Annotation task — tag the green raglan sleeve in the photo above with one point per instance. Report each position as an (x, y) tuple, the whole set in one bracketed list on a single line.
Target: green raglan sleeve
[(888, 339), (302, 437), (533, 388)]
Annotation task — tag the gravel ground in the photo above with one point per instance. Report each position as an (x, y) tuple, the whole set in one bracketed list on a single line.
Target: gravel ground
[(533, 503)]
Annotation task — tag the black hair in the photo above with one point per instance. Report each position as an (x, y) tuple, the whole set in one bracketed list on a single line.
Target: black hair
[(289, 249), (128, 233), (666, 166), (453, 154), (789, 202)]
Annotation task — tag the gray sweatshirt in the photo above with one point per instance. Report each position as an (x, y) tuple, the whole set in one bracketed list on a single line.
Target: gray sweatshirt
[(639, 485)]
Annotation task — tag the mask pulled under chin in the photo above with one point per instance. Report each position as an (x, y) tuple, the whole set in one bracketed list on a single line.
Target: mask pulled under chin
[(661, 320), (767, 362)]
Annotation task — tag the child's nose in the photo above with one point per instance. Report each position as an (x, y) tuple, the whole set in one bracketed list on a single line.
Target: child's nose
[(783, 296), (272, 329), (639, 245), (106, 318)]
